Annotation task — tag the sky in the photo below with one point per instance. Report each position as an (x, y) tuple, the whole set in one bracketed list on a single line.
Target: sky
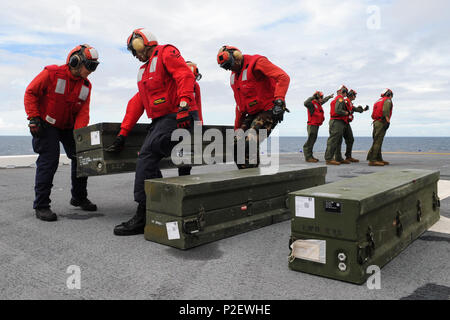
[(366, 45)]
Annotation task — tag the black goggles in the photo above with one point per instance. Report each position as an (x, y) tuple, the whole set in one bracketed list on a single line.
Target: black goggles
[(131, 49), (227, 65), (91, 65)]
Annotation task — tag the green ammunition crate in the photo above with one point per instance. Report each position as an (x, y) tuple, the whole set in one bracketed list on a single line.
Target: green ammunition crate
[(91, 141), (92, 160), (340, 229), (185, 212)]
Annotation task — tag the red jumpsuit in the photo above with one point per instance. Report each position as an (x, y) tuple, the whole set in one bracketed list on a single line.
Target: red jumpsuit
[(62, 101)]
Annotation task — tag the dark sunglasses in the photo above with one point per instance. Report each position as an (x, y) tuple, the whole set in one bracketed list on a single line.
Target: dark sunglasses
[(91, 65)]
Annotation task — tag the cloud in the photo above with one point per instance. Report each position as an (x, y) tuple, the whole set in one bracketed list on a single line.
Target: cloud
[(320, 44)]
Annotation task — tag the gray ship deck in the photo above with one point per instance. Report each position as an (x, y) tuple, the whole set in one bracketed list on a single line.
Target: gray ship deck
[(34, 255)]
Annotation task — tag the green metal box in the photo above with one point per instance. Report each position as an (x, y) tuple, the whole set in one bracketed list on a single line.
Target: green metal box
[(341, 229), (91, 141), (93, 160), (185, 212)]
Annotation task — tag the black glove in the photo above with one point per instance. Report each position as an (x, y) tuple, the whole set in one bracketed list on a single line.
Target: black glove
[(359, 109), (117, 145), (366, 108), (388, 124), (278, 110), (36, 127), (184, 119)]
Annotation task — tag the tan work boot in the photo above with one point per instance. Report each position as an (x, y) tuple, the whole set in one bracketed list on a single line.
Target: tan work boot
[(352, 160), (376, 164), (312, 160), (333, 163), (317, 160), (345, 162), (385, 163)]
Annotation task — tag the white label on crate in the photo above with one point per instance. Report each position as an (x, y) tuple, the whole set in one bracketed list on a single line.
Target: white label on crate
[(172, 230), (311, 250), (95, 138), (304, 207)]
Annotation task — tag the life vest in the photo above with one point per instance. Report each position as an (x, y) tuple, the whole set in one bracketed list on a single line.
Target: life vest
[(64, 98), (349, 105), (377, 114), (333, 114), (318, 116), (157, 88), (252, 95)]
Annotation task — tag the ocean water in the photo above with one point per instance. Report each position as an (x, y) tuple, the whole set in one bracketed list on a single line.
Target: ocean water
[(21, 145), (393, 144)]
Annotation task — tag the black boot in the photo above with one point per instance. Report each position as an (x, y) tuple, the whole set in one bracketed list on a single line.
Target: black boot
[(46, 214), (85, 204), (134, 226)]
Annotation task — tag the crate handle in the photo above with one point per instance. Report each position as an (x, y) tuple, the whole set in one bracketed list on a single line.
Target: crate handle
[(419, 211), (191, 226), (398, 224), (195, 225), (436, 201), (366, 250)]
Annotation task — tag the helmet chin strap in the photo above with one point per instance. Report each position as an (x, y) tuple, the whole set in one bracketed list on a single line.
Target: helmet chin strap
[(76, 72), (147, 52), (236, 64)]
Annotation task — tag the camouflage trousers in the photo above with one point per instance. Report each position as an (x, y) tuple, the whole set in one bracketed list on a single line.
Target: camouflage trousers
[(337, 128), (349, 140), (251, 126), (313, 132), (379, 131)]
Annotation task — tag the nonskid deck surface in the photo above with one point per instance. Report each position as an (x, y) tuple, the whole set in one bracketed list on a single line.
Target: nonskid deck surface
[(35, 256)]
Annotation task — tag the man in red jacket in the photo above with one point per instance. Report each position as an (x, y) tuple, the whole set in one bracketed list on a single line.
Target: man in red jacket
[(316, 117), (196, 104), (348, 132), (338, 120), (260, 89), (166, 88), (197, 94), (57, 102), (381, 115)]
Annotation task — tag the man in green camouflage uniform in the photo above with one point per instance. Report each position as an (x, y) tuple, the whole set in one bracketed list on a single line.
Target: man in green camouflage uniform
[(339, 114), (348, 132), (315, 120), (382, 113)]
